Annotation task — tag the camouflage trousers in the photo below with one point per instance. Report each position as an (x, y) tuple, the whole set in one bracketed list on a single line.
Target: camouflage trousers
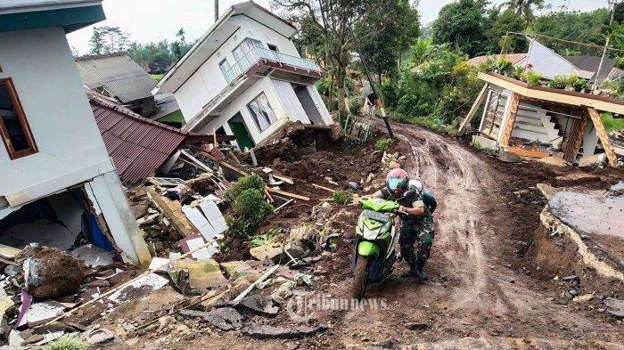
[(420, 233)]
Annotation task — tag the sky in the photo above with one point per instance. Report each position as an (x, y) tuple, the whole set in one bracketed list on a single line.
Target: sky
[(155, 20)]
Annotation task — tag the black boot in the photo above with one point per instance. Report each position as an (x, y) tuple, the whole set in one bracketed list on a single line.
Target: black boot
[(417, 270)]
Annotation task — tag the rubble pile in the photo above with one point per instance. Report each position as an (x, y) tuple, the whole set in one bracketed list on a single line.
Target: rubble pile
[(204, 271)]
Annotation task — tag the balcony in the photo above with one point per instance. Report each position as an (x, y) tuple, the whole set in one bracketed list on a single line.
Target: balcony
[(257, 58)]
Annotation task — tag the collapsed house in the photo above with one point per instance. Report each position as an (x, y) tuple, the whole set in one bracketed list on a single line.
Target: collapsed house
[(117, 76), (244, 77), (555, 125), (139, 147), (55, 181), (539, 122)]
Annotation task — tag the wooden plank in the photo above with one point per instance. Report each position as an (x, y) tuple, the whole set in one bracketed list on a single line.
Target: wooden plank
[(509, 119), (602, 135), (323, 188), (196, 161), (574, 142), (473, 109), (527, 152), (225, 164), (172, 210), (288, 194), (560, 97)]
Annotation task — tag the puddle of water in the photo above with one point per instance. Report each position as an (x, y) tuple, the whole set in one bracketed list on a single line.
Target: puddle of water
[(590, 214)]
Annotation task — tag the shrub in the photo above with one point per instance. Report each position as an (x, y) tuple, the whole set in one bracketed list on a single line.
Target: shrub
[(519, 73), (248, 212), (67, 343), (505, 67), (580, 84), (571, 80), (383, 144), (244, 183), (343, 197), (477, 145), (533, 78), (558, 82), (612, 124)]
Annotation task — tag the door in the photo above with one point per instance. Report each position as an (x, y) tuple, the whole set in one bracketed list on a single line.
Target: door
[(239, 129), (308, 104)]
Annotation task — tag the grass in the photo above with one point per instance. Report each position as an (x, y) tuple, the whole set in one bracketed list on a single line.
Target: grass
[(66, 343), (343, 197), (383, 144), (157, 77), (612, 124), (477, 145)]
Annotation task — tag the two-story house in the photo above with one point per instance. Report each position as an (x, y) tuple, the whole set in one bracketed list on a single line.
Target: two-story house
[(56, 177), (244, 77)]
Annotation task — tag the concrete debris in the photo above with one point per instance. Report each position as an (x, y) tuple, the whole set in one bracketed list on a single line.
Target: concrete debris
[(194, 242), (583, 298), (93, 256), (39, 313), (8, 252), (50, 272), (139, 287), (224, 318), (202, 275), (272, 332), (593, 160), (237, 269), (589, 214), (99, 336), (615, 307), (258, 305), (283, 292)]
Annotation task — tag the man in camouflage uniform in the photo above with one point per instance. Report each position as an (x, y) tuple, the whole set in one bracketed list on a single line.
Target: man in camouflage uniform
[(416, 218)]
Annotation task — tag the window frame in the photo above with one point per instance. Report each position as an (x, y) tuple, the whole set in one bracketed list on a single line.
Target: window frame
[(21, 117), (255, 119)]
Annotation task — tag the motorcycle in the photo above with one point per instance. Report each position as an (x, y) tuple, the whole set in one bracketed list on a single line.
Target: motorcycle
[(376, 234)]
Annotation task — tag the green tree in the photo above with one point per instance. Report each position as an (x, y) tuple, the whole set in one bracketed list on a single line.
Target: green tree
[(107, 39), (327, 33), (497, 36), (464, 25), (525, 8)]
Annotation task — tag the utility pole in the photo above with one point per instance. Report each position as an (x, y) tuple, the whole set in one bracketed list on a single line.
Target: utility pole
[(379, 103), (216, 10), (612, 5)]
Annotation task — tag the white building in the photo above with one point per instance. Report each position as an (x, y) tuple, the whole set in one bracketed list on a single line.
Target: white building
[(56, 172), (244, 77)]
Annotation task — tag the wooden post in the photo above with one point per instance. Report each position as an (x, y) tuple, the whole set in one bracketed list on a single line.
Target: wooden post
[(576, 141), (473, 110), (602, 135), (509, 119)]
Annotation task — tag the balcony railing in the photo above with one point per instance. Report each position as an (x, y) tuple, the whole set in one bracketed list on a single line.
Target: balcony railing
[(256, 54)]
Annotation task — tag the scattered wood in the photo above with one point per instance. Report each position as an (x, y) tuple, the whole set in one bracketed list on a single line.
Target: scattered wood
[(266, 275), (509, 118), (283, 205), (602, 135), (473, 110), (527, 152), (172, 210), (225, 164), (196, 161), (288, 194), (323, 188), (269, 197), (286, 179)]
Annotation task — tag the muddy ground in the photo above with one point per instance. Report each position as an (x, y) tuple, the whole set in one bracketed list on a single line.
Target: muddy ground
[(485, 289)]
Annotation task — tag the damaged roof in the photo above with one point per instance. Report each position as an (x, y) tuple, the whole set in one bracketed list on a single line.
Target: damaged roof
[(117, 74), (137, 145)]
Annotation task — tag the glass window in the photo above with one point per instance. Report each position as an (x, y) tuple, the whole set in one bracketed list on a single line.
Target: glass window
[(225, 69), (13, 125), (261, 112), (245, 47)]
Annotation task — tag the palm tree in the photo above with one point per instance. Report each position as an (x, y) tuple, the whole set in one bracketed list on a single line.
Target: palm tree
[(524, 8)]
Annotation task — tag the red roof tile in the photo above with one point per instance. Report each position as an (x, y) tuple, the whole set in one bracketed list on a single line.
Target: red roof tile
[(137, 145)]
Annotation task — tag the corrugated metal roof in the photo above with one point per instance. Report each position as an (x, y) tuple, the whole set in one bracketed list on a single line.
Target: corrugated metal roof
[(137, 145), (118, 74), (591, 64)]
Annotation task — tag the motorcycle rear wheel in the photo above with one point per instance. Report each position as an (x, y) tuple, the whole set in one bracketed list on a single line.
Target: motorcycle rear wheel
[(358, 290)]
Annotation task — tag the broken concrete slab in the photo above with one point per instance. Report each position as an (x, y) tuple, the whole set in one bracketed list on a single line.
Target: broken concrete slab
[(224, 318), (205, 274), (93, 256), (194, 242), (39, 313), (593, 160), (42, 231), (589, 214), (99, 335), (139, 287), (172, 210), (272, 332), (259, 305), (615, 307), (8, 252)]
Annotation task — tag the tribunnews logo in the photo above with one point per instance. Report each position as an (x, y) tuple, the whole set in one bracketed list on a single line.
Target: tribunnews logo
[(303, 308)]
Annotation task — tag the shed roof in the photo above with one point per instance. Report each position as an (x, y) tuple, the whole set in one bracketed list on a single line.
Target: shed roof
[(117, 74), (137, 145), (591, 64)]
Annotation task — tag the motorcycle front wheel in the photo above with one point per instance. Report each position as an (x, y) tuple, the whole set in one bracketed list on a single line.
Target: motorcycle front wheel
[(358, 290)]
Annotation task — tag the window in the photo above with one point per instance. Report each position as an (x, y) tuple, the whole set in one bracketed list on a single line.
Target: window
[(226, 70), (242, 50), (14, 128), (261, 112), (272, 47)]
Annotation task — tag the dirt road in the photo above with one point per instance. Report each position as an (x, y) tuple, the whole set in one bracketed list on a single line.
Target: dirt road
[(477, 295)]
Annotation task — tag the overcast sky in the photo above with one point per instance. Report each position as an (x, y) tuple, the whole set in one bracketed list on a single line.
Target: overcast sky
[(155, 20)]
